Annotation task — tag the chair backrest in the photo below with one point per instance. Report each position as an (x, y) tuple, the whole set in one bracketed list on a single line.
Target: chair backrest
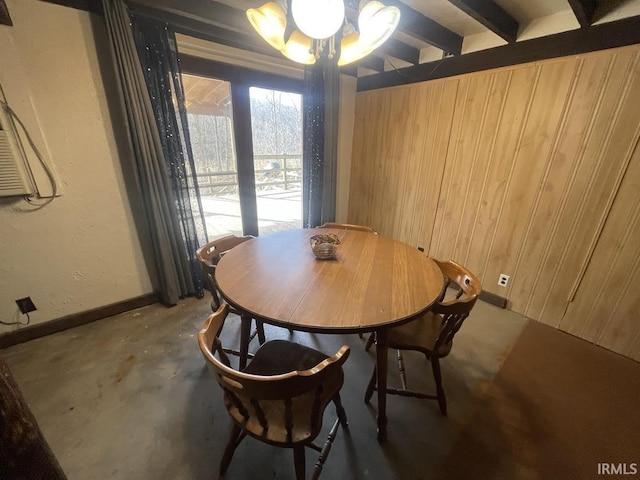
[(348, 226), (455, 311), (293, 401), (209, 255)]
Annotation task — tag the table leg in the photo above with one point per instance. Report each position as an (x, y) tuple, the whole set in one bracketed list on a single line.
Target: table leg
[(245, 338), (381, 372)]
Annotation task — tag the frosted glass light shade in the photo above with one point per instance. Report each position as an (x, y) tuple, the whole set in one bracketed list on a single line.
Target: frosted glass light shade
[(270, 22), (352, 50), (298, 48), (318, 18), (376, 23)]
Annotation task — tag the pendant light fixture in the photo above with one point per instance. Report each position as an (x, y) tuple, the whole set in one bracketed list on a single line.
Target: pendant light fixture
[(318, 19), (307, 30)]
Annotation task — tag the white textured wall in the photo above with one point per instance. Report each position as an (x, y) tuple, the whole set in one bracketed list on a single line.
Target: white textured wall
[(82, 251)]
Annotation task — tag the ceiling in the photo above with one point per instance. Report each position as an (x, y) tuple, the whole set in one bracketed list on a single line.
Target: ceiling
[(206, 96), (461, 32)]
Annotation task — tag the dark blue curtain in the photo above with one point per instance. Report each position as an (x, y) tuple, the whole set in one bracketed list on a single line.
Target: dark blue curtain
[(158, 55), (313, 147), (148, 76), (320, 129)]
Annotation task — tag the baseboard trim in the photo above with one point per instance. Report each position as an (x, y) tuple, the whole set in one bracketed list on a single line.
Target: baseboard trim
[(488, 297), (493, 299), (36, 331)]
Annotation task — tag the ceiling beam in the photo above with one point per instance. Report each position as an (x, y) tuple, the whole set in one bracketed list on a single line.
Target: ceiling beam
[(206, 20), (200, 28), (492, 16), (371, 62), (401, 50), (415, 24), (350, 70), (583, 10), (574, 42), (206, 11)]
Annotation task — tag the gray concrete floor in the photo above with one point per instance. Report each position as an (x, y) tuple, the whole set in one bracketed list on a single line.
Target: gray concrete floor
[(129, 397)]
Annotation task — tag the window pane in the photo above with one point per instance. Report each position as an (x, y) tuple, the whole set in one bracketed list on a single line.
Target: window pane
[(211, 130), (276, 121)]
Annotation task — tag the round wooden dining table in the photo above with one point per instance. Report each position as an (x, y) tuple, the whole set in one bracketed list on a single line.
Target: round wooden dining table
[(373, 283)]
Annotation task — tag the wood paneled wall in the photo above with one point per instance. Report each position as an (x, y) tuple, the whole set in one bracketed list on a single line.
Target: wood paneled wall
[(532, 171)]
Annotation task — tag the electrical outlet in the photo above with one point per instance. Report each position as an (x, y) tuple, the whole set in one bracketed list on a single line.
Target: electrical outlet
[(503, 280), (26, 305)]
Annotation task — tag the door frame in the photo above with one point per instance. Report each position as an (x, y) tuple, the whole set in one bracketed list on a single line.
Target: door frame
[(241, 80)]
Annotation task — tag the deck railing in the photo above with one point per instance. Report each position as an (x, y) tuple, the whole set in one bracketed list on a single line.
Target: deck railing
[(282, 170)]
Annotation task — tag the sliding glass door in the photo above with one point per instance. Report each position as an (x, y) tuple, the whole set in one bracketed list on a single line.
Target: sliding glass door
[(276, 121), (247, 146), (209, 114)]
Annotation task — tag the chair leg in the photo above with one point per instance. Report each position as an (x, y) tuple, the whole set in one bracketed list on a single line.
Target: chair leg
[(245, 338), (324, 453), (260, 329), (403, 374), (437, 376), (371, 387), (342, 416), (370, 340), (298, 460), (234, 440)]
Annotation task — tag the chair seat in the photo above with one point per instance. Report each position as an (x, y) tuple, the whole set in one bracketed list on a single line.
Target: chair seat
[(420, 334), (273, 358), (281, 356)]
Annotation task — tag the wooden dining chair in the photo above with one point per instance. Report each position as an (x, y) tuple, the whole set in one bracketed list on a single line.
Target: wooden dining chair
[(433, 333), (348, 226), (209, 255), (280, 397)]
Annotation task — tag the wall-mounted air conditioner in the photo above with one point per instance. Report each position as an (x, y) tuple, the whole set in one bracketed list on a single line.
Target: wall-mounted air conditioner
[(15, 177)]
